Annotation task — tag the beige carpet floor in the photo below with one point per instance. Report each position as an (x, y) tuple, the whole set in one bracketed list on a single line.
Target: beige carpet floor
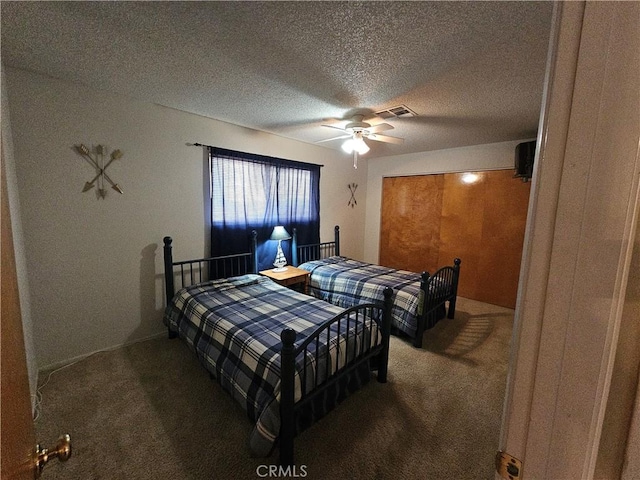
[(150, 411)]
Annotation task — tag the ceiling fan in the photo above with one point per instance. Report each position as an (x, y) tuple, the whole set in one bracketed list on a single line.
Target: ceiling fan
[(356, 130)]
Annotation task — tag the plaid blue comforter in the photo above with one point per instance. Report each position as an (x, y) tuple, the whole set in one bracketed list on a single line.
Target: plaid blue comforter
[(346, 282), (234, 327)]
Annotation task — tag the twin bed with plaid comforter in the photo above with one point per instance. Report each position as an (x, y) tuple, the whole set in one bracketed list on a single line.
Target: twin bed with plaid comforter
[(346, 282), (234, 326)]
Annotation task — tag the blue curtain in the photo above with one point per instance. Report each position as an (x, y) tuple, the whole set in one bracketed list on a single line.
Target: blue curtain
[(256, 192)]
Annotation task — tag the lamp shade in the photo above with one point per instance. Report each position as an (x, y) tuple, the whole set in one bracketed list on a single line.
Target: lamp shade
[(280, 233)]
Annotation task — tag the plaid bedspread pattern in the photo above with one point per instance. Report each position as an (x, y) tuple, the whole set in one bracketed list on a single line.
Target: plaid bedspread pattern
[(234, 327), (346, 282)]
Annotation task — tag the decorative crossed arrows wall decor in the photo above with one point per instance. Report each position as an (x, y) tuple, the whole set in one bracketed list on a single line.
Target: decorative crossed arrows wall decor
[(97, 162), (352, 188)]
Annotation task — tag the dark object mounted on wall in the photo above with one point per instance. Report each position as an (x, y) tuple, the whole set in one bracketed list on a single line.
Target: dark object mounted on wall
[(525, 153)]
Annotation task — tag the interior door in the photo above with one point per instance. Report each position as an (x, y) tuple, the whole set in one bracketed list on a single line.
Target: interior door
[(16, 423), (579, 245)]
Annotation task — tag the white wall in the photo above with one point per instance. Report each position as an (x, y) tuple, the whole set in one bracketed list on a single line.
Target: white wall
[(474, 158), (95, 266)]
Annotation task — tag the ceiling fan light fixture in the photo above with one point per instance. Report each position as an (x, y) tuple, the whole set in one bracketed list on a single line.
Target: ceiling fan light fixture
[(355, 143)]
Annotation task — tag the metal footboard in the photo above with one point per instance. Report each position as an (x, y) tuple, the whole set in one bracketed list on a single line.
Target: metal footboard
[(359, 346)]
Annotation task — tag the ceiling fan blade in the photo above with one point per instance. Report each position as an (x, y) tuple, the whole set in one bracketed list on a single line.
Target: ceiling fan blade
[(334, 138), (381, 127), (335, 123), (332, 120), (385, 138), (337, 127)]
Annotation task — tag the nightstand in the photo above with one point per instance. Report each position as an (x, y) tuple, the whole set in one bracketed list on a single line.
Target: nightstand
[(290, 277)]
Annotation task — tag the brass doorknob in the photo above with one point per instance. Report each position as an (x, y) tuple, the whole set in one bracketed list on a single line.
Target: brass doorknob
[(62, 452)]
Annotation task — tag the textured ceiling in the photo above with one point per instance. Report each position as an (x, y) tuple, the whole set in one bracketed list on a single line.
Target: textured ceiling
[(472, 71)]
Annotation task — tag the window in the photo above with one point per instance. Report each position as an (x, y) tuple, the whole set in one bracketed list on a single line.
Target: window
[(256, 192)]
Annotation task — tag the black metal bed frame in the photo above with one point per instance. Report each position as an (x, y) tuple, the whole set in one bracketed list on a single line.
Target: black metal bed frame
[(314, 251), (289, 409), (373, 346), (431, 301)]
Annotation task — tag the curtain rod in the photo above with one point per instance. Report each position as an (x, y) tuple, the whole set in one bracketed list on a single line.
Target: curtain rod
[(213, 146)]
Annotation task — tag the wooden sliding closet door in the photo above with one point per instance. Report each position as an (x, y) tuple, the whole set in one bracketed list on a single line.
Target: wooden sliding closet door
[(428, 220), (410, 223)]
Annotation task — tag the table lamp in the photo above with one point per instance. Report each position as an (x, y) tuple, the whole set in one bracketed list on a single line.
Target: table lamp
[(279, 233)]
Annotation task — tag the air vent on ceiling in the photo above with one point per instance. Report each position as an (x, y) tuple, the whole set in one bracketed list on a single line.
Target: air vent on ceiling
[(399, 111)]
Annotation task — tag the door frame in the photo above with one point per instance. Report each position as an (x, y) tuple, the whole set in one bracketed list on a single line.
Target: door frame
[(578, 245)]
